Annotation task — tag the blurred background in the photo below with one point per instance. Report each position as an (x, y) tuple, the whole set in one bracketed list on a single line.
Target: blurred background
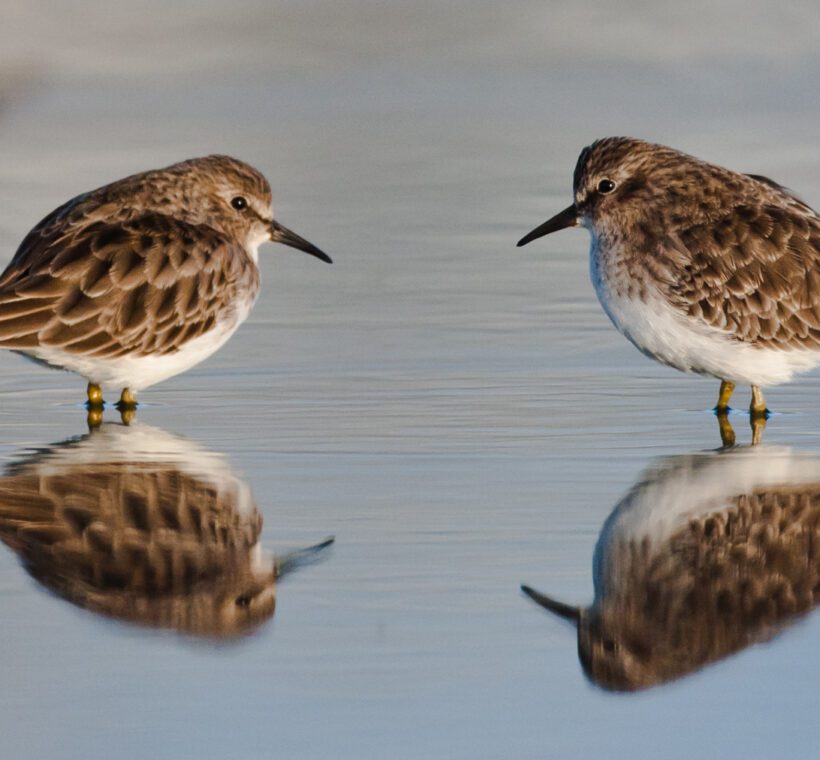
[(459, 413)]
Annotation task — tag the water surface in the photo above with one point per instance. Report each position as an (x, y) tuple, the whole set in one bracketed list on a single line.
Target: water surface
[(457, 412)]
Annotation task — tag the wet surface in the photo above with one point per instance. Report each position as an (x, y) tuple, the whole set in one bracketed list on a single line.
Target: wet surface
[(457, 412)]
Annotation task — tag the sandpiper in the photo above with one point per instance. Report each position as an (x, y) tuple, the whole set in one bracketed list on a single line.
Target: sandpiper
[(142, 526), (702, 268), (706, 555), (141, 279)]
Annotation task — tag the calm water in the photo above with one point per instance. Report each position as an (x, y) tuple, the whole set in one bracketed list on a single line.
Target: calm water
[(457, 412)]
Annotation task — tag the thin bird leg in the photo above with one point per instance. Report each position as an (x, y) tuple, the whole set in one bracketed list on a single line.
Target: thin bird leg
[(727, 433), (758, 426), (94, 404), (726, 390), (127, 406), (127, 399), (94, 418), (95, 396), (758, 407)]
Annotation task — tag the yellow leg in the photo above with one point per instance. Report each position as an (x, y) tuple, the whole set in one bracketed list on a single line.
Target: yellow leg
[(758, 407), (95, 395), (127, 399), (94, 404), (726, 390), (95, 417), (727, 433), (127, 406), (758, 426)]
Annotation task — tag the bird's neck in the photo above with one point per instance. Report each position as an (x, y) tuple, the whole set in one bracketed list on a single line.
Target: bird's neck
[(617, 264)]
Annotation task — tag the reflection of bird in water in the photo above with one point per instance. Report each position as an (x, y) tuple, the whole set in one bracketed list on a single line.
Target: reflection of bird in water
[(727, 432), (142, 526), (706, 555)]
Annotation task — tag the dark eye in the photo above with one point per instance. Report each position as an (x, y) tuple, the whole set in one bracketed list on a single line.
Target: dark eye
[(239, 203), (244, 600), (606, 186), (609, 646)]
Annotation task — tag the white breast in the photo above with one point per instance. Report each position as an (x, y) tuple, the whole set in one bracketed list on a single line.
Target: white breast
[(675, 490), (668, 335)]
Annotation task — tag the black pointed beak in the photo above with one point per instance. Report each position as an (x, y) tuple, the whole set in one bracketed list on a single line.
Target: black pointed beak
[(281, 234), (573, 614), (567, 218)]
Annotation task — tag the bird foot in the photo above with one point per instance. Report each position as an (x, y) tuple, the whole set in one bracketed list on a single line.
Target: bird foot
[(94, 395), (127, 406)]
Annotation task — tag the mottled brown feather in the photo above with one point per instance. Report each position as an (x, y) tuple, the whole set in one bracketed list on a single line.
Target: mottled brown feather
[(756, 273), (140, 541), (737, 251), (722, 581), (114, 285)]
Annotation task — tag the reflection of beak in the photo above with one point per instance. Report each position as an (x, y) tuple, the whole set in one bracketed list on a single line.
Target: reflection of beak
[(573, 614), (567, 218), (289, 563), (281, 234)]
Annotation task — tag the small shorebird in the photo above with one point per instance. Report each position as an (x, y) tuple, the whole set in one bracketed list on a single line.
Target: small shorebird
[(706, 555), (138, 525), (702, 268), (139, 280)]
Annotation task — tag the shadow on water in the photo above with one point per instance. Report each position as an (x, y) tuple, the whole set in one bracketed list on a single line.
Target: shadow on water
[(141, 526), (709, 553)]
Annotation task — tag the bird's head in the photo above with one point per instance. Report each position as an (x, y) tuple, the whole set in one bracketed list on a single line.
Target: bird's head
[(225, 194), (626, 186)]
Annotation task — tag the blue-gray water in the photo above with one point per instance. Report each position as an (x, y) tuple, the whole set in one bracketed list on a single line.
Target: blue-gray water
[(457, 412)]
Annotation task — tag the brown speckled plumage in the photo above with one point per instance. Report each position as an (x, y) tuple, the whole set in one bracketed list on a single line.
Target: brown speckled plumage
[(704, 269), (140, 268), (730, 571), (724, 581), (141, 286), (170, 541), (737, 251)]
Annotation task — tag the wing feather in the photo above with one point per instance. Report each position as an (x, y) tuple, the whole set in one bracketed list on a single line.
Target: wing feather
[(143, 285), (754, 273)]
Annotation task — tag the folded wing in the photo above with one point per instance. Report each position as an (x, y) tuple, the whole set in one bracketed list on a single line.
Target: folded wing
[(141, 286), (754, 273)]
